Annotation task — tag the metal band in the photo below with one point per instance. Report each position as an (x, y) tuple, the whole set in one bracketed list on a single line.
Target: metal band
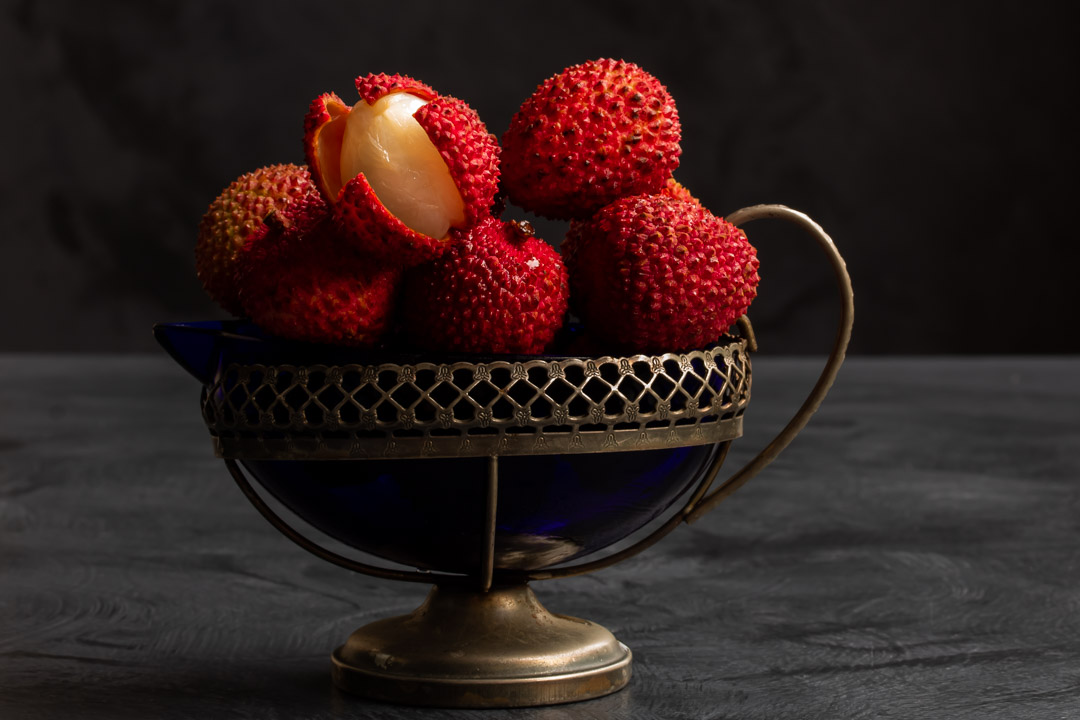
[(314, 447), (479, 409)]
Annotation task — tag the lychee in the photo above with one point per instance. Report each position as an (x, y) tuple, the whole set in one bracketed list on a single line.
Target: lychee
[(499, 289), (402, 167), (672, 188), (653, 273), (311, 284), (235, 218), (589, 135)]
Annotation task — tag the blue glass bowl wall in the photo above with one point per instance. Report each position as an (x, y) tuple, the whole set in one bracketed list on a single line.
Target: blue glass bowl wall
[(429, 513)]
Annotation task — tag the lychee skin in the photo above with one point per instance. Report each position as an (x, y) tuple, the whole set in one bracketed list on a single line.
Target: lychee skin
[(374, 86), (235, 219), (498, 289), (652, 273), (588, 136), (672, 188), (313, 286), (325, 166), (470, 152)]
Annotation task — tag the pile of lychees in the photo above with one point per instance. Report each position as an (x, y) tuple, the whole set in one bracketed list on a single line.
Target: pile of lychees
[(392, 233)]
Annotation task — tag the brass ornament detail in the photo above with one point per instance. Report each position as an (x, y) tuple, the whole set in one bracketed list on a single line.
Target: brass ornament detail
[(519, 407)]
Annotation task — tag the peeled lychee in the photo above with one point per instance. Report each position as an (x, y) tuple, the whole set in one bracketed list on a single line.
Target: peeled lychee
[(653, 273), (402, 167), (235, 218), (589, 135), (312, 285), (499, 289)]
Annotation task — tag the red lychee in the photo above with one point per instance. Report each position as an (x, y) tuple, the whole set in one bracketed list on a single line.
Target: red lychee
[(672, 188), (499, 289), (235, 218), (589, 135), (311, 284), (402, 167), (652, 273)]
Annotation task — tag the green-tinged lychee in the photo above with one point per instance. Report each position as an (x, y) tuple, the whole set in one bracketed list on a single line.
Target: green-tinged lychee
[(653, 273), (595, 132), (236, 218), (402, 167)]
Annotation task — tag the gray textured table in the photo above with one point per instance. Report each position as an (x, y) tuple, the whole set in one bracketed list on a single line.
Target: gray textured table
[(914, 554)]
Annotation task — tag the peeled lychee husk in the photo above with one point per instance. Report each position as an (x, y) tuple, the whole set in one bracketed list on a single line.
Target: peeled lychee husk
[(236, 218), (595, 132), (653, 273), (499, 289), (311, 284), (403, 167)]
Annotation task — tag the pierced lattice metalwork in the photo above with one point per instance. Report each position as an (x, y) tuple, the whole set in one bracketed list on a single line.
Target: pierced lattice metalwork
[(535, 406)]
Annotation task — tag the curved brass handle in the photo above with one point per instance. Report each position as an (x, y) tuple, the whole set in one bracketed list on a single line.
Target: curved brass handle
[(828, 374)]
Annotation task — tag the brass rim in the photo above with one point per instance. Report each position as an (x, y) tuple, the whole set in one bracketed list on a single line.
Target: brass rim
[(480, 409)]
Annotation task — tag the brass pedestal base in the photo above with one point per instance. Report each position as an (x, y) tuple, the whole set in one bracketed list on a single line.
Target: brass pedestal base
[(473, 649)]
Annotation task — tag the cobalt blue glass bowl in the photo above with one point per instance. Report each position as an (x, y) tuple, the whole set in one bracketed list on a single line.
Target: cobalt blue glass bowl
[(425, 507)]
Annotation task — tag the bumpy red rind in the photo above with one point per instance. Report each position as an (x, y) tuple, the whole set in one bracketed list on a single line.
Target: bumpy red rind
[(498, 290), (595, 132), (674, 189), (315, 287), (236, 219), (374, 86), (652, 273)]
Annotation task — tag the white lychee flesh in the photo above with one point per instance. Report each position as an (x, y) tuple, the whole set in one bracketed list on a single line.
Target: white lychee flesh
[(385, 143)]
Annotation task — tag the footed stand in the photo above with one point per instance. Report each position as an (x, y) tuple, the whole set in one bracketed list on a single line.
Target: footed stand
[(499, 648)]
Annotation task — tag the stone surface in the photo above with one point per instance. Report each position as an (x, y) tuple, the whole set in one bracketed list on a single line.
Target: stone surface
[(913, 554)]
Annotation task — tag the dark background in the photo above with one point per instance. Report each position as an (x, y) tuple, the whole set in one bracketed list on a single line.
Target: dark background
[(935, 141)]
